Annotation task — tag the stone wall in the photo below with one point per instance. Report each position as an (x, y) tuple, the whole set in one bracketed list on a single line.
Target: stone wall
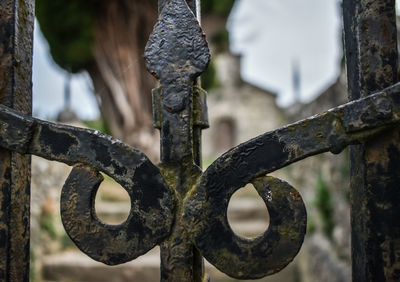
[(237, 109), (323, 181)]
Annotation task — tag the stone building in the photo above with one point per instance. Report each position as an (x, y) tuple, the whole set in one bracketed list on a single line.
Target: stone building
[(323, 181), (237, 110)]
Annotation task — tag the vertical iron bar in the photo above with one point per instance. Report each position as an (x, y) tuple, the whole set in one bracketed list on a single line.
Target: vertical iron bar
[(16, 36), (371, 54), (198, 262), (180, 260)]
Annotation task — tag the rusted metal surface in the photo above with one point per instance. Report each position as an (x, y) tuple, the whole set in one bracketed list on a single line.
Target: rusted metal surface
[(333, 130), (148, 223), (240, 257), (179, 207), (205, 202), (16, 33), (371, 53), (177, 53), (151, 214)]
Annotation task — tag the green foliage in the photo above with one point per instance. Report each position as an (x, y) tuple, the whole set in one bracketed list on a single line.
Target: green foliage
[(310, 226), (66, 242), (99, 125), (207, 162), (47, 225), (221, 7), (32, 269), (68, 27), (324, 205), (209, 77), (221, 40)]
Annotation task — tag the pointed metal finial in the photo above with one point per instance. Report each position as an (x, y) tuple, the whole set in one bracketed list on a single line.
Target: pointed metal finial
[(177, 45), (177, 53)]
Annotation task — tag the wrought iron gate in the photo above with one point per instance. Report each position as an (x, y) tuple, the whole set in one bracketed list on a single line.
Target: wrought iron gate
[(176, 205)]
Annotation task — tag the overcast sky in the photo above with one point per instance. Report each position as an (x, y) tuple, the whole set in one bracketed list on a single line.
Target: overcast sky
[(269, 34), (48, 85), (272, 35)]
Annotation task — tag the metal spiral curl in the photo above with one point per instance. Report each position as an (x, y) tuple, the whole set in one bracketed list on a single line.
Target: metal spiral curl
[(206, 206), (152, 206), (240, 257), (148, 223), (177, 53), (152, 203)]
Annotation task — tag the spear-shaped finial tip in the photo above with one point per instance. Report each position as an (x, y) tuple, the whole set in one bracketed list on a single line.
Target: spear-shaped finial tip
[(177, 45)]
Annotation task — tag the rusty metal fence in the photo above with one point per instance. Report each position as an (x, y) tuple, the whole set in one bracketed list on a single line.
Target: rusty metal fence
[(176, 205)]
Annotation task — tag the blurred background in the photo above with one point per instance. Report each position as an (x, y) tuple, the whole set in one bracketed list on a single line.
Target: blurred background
[(273, 62)]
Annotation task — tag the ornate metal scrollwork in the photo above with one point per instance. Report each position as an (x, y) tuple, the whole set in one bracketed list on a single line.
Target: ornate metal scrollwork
[(152, 204), (242, 258), (206, 206), (177, 53), (192, 210)]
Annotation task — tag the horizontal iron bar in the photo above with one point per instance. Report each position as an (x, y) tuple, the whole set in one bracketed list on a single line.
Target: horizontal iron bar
[(333, 130), (70, 145), (330, 131)]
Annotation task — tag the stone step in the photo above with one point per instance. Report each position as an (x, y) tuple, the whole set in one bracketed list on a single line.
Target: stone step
[(247, 218), (250, 228), (247, 209), (77, 267), (240, 209)]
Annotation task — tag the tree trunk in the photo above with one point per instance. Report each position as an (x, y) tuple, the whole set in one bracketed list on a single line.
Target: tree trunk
[(121, 81)]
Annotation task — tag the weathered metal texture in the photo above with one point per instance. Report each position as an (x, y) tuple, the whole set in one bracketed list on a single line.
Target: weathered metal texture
[(371, 54), (16, 33), (206, 206), (200, 117), (177, 206), (177, 53), (148, 223), (240, 257), (332, 131), (151, 215)]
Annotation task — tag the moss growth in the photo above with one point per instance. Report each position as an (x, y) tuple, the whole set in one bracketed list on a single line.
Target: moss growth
[(324, 205), (209, 77), (207, 162), (66, 242), (221, 40), (221, 7), (47, 225), (32, 269), (99, 125), (310, 226)]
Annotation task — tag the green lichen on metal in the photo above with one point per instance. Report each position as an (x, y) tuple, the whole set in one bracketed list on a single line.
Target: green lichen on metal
[(188, 198), (205, 217), (179, 207), (372, 65), (16, 33)]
